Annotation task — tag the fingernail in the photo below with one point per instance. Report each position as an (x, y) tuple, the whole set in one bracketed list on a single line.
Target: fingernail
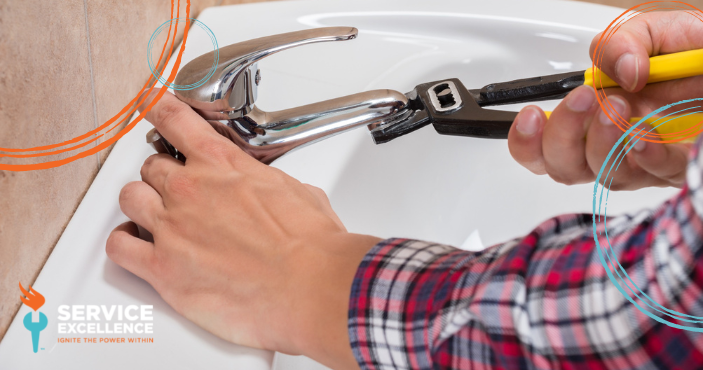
[(619, 109), (145, 99), (581, 99), (639, 145), (527, 122), (627, 71)]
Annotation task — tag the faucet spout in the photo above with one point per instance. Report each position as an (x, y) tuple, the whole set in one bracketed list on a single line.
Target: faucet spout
[(268, 135)]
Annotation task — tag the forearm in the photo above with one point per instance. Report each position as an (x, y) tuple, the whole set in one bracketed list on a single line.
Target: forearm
[(320, 325)]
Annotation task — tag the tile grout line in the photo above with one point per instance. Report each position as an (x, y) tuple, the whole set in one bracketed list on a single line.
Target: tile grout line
[(92, 79)]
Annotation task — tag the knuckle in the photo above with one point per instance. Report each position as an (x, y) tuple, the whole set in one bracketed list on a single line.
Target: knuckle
[(535, 166), (148, 162), (616, 186), (317, 192), (517, 149), (150, 159), (216, 150), (180, 184), (558, 175), (158, 269), (157, 281), (112, 245), (571, 175), (163, 274), (165, 221), (128, 192), (527, 158), (594, 43), (677, 178), (562, 178), (167, 110)]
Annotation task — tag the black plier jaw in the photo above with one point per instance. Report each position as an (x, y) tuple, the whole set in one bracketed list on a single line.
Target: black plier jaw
[(450, 108), (454, 110)]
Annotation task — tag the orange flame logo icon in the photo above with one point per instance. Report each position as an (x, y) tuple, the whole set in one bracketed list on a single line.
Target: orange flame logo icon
[(34, 299)]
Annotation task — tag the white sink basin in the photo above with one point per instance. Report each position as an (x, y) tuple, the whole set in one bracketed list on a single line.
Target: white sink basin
[(422, 185)]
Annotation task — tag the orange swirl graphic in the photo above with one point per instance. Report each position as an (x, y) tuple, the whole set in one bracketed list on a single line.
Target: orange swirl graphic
[(79, 143)]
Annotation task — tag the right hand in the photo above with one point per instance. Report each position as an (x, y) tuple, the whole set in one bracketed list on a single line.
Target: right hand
[(572, 145)]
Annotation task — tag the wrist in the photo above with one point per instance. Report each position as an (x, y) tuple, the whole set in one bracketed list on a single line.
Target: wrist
[(318, 314)]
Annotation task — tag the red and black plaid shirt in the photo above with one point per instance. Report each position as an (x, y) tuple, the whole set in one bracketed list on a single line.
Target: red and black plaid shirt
[(543, 301)]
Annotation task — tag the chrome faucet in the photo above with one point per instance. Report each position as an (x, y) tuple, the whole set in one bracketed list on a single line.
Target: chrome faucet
[(227, 99)]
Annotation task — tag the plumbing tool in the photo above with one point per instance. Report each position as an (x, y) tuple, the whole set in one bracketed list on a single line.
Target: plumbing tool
[(454, 110)]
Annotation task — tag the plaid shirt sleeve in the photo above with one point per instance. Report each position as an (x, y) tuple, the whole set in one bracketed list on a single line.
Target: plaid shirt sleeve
[(543, 301)]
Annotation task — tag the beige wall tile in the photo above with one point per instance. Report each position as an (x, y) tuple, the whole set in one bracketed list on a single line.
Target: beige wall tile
[(45, 98), (119, 35)]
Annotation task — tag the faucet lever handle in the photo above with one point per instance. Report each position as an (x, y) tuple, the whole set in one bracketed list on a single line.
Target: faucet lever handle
[(231, 91)]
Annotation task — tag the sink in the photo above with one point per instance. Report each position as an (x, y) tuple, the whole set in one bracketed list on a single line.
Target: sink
[(423, 185)]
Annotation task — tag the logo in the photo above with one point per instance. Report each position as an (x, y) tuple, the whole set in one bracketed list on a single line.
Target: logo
[(34, 300)]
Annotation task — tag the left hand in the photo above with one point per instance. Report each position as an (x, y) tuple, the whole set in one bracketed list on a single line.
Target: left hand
[(240, 248)]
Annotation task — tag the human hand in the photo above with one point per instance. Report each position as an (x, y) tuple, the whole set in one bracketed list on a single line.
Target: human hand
[(240, 248), (572, 145)]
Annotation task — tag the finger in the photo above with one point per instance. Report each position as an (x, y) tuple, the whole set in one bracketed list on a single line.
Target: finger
[(126, 249), (654, 96), (141, 203), (186, 130), (145, 98), (665, 161), (602, 136), (525, 139), (155, 169), (564, 138), (651, 34), (624, 55)]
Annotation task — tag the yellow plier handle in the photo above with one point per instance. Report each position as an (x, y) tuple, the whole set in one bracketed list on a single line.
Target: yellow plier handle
[(662, 68), (665, 67)]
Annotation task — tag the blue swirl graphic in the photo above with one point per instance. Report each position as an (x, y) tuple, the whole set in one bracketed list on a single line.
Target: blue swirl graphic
[(607, 257), (205, 28)]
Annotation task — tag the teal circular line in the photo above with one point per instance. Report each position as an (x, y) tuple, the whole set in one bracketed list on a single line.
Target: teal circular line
[(597, 217), (621, 156), (620, 161), (195, 84), (608, 238)]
